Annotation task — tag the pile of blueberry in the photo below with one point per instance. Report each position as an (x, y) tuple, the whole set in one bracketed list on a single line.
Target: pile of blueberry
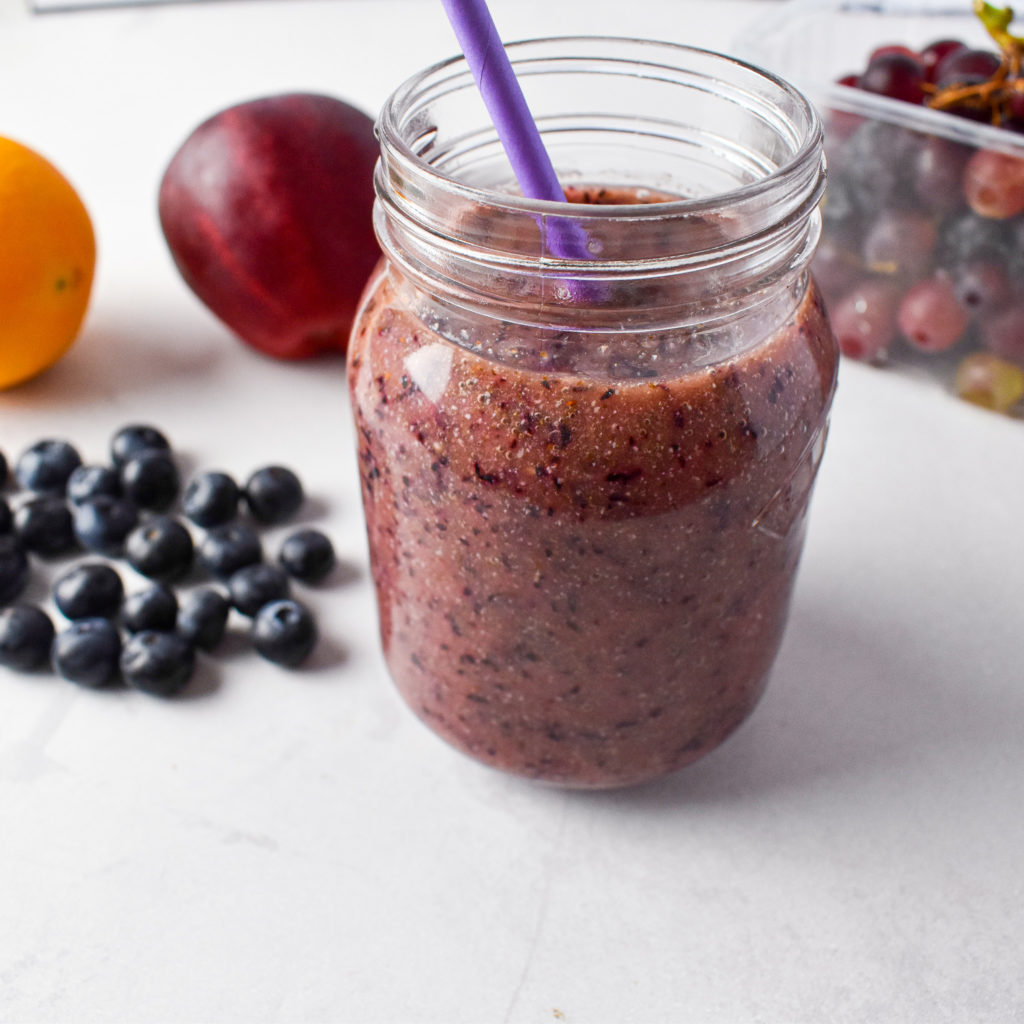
[(124, 510)]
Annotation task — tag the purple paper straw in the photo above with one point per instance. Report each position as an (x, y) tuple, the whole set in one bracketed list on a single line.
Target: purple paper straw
[(517, 131)]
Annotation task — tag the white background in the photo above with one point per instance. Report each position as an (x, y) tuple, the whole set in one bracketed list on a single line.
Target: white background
[(294, 846)]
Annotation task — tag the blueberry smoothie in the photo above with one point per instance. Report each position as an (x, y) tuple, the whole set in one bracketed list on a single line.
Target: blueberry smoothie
[(584, 578), (588, 431)]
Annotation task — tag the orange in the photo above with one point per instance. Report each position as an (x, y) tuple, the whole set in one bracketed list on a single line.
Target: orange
[(47, 259)]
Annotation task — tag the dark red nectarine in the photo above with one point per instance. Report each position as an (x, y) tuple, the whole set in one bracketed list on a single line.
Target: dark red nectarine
[(267, 209)]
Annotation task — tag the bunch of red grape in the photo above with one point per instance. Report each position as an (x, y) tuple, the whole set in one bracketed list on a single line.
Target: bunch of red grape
[(923, 245)]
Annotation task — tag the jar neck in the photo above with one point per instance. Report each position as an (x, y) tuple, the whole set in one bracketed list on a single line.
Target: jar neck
[(732, 154)]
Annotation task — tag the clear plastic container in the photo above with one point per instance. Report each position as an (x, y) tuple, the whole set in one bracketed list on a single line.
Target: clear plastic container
[(585, 477), (896, 217)]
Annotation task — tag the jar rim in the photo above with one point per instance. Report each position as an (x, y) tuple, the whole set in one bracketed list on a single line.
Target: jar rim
[(402, 152), (740, 147)]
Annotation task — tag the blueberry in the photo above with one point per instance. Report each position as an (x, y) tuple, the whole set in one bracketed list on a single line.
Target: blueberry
[(284, 632), (87, 652), (157, 663), (203, 617), (91, 590), (156, 607), (134, 439), (160, 548), (46, 466), (91, 482), (13, 568), (45, 526), (273, 494), (102, 523), (253, 586), (308, 555), (211, 499), (226, 549), (6, 519), (26, 635), (150, 479)]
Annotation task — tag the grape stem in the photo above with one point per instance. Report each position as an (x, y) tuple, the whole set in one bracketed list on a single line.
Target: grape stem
[(997, 22), (994, 94)]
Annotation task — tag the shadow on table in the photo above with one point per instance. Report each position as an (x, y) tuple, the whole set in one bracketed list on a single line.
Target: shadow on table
[(116, 360), (849, 697)]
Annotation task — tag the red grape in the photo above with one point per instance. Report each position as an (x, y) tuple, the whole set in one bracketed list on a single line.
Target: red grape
[(874, 160), (894, 75), (893, 48), (1003, 333), (864, 320), (840, 214), (1013, 119), (981, 287), (994, 184), (900, 242), (934, 53), (966, 67), (841, 124), (835, 267), (930, 318), (968, 238), (938, 172)]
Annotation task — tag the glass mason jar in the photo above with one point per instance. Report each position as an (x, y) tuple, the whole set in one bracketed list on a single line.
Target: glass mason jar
[(588, 432)]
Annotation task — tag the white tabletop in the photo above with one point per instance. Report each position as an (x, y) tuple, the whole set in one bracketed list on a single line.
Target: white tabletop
[(294, 846)]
